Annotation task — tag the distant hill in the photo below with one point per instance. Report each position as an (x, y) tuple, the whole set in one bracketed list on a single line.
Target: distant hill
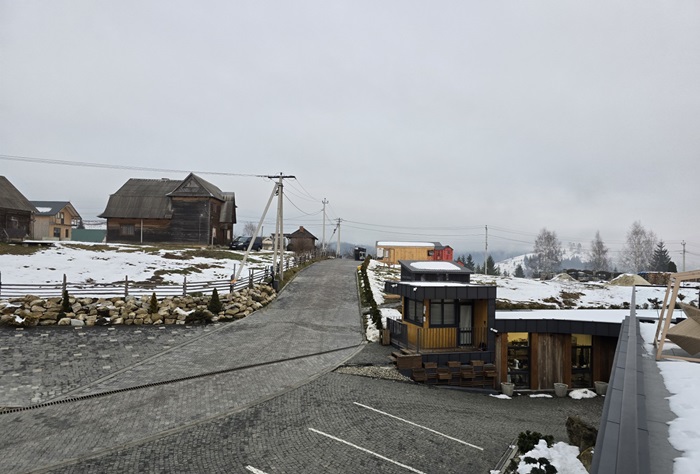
[(573, 258)]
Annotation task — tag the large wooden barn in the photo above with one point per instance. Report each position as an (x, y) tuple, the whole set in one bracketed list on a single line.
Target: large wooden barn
[(164, 210), (16, 213)]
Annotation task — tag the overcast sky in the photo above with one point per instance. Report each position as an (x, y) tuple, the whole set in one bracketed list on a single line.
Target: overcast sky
[(416, 120)]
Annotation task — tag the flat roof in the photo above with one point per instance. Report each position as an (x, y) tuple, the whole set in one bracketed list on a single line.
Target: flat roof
[(615, 316), (440, 266)]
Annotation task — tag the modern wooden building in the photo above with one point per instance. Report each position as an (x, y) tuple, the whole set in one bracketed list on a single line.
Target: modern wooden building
[(54, 220), (535, 350), (16, 213), (442, 312), (391, 252), (164, 210)]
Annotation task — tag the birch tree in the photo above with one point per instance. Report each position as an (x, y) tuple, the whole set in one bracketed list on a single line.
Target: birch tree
[(639, 249)]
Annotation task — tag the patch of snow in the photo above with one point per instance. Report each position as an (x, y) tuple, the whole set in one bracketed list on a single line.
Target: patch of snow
[(540, 395), (502, 396), (437, 266), (372, 333), (582, 393), (561, 455)]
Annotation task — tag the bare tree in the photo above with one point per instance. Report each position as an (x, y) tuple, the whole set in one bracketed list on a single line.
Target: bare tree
[(249, 229), (547, 253), (598, 255), (639, 250)]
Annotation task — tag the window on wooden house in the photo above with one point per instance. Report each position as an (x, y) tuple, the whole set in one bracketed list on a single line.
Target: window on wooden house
[(581, 360), (519, 359), (443, 313), (57, 232), (126, 229), (413, 311)]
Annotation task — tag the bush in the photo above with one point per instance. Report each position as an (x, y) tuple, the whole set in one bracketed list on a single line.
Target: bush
[(529, 439), (214, 304), (369, 297), (153, 305)]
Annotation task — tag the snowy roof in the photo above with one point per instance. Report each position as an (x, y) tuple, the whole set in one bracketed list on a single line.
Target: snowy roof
[(406, 244), (586, 315), (436, 266), (436, 283)]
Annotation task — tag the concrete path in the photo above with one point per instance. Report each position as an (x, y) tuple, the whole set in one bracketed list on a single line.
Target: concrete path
[(315, 322)]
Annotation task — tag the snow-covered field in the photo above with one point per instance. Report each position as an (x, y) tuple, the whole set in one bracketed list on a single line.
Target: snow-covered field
[(106, 263)]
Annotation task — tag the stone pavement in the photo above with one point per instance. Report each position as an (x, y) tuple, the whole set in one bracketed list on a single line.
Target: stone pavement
[(262, 415)]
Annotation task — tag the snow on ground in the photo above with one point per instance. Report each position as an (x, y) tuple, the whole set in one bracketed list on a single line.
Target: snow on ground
[(682, 380), (562, 456), (81, 264)]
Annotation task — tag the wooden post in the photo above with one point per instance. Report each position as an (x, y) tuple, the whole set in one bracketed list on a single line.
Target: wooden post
[(250, 278), (184, 286), (64, 285), (126, 286)]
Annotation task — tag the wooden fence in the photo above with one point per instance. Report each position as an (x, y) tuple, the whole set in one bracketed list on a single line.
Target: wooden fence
[(131, 288)]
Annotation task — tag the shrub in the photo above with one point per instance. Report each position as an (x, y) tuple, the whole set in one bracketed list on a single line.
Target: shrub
[(542, 466), (153, 305), (65, 305), (529, 439), (214, 304)]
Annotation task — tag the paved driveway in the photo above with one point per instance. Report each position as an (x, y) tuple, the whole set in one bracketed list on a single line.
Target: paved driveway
[(253, 416)]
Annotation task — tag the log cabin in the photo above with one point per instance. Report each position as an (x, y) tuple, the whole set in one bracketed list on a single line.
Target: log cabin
[(16, 213)]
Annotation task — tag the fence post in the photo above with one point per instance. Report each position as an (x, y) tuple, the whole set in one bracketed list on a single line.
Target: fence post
[(250, 278), (0, 283), (63, 292), (126, 286), (184, 286)]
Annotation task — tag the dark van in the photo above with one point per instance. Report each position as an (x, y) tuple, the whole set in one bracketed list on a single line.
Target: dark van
[(241, 243)]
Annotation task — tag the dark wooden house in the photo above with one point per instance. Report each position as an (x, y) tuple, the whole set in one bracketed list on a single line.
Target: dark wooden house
[(301, 240), (164, 210), (16, 213)]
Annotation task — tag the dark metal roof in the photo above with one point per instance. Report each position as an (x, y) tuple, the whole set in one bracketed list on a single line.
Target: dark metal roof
[(301, 233), (54, 207), (228, 209), (417, 290), (193, 185), (558, 326), (142, 199), (11, 198)]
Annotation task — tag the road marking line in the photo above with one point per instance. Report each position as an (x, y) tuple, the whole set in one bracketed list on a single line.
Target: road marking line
[(420, 426), (367, 451), (255, 471)]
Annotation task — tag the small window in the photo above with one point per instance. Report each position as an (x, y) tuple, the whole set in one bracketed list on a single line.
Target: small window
[(67, 233), (443, 313), (57, 232), (413, 311), (126, 229)]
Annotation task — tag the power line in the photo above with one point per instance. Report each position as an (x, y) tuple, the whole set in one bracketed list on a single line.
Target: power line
[(82, 164)]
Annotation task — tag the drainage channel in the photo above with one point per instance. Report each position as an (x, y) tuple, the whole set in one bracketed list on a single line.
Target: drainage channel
[(8, 410)]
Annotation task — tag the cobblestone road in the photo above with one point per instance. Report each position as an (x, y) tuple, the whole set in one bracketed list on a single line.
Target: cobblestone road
[(283, 417)]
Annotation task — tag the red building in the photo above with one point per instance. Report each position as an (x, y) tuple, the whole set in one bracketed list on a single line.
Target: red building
[(443, 252)]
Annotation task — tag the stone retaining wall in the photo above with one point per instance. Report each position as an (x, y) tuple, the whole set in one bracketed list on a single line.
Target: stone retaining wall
[(32, 311)]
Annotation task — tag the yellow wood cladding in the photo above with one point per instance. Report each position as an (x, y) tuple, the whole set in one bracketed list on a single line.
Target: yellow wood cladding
[(392, 255)]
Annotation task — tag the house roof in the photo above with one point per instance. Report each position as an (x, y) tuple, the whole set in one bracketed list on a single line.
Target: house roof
[(406, 244), (432, 266), (51, 208), (142, 199), (301, 233), (443, 290), (11, 198), (193, 185), (228, 210)]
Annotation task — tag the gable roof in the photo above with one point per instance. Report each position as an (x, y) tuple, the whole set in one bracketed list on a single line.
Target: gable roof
[(193, 185), (142, 199), (51, 208), (301, 233), (11, 198)]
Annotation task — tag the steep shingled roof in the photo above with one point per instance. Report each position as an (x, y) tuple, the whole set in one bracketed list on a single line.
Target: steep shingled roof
[(11, 198), (142, 199)]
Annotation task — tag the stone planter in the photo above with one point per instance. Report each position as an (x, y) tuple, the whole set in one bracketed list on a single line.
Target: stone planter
[(601, 388), (507, 388), (560, 389)]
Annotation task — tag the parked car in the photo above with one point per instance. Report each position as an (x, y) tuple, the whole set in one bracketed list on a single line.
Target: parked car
[(241, 243)]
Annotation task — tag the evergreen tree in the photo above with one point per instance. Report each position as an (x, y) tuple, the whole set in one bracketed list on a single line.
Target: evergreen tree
[(469, 262), (661, 259), (65, 305), (214, 304), (491, 268), (672, 267), (519, 273), (153, 304)]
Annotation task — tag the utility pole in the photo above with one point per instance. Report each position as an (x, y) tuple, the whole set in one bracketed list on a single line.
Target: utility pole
[(323, 239), (683, 244), (337, 248), (486, 249)]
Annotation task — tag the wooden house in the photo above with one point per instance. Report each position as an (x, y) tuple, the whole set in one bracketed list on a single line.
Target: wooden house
[(391, 252), (16, 213), (443, 252), (164, 210), (301, 240), (443, 314), (535, 350), (54, 220)]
